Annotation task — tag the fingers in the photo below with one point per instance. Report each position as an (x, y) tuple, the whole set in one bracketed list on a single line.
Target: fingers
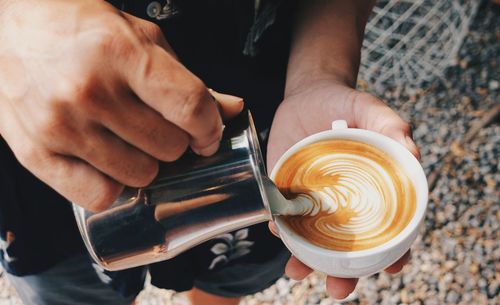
[(296, 270), (373, 114), (340, 288), (146, 129), (401, 132), (169, 88), (230, 105), (165, 85), (79, 182), (116, 158), (74, 179), (399, 264)]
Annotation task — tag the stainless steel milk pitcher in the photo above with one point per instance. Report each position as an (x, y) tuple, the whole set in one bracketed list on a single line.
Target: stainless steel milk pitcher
[(190, 201)]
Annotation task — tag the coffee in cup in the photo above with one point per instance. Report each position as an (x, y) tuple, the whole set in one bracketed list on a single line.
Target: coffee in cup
[(361, 198)]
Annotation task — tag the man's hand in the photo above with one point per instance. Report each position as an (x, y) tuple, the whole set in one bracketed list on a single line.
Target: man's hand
[(91, 98), (311, 109)]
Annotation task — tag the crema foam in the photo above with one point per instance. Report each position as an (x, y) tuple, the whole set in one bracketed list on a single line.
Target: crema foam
[(360, 196)]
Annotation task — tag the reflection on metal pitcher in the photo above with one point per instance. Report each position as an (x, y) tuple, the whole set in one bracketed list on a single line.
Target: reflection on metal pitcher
[(192, 200)]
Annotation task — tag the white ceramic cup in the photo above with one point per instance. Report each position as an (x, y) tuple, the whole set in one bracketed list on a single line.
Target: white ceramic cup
[(360, 263)]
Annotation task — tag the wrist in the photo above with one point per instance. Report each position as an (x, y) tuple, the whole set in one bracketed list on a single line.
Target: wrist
[(309, 80), (302, 80), (326, 42)]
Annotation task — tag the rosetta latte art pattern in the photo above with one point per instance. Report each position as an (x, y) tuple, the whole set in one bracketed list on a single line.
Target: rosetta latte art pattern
[(360, 197)]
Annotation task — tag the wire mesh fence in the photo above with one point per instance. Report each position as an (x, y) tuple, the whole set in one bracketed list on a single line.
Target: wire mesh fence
[(410, 42)]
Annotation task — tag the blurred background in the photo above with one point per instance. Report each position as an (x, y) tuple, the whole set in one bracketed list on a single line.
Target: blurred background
[(437, 64)]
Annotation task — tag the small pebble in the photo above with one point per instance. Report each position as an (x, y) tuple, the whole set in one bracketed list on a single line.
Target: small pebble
[(493, 85)]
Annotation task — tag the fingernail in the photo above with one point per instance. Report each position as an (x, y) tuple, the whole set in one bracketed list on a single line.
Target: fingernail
[(413, 147), (409, 141), (233, 99), (349, 297), (221, 97)]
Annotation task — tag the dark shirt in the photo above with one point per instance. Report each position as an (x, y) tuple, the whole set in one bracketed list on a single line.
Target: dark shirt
[(213, 39)]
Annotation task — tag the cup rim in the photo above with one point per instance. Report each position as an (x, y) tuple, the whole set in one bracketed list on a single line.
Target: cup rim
[(419, 181)]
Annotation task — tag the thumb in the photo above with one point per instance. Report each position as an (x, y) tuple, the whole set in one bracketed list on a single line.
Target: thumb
[(401, 132), (373, 114), (229, 105)]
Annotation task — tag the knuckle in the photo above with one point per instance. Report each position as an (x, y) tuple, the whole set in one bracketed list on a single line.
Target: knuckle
[(77, 91), (175, 151), (62, 91), (105, 40), (106, 192), (111, 41), (147, 172), (193, 104), (153, 31), (362, 99), (51, 125), (367, 96), (88, 147), (364, 95), (213, 135), (85, 89)]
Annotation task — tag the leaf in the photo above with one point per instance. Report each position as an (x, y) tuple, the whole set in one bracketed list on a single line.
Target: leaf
[(218, 260), (228, 238), (241, 234), (244, 244), (8, 258), (239, 253), (101, 273), (219, 248)]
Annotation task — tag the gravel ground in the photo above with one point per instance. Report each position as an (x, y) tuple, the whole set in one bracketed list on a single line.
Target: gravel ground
[(456, 259)]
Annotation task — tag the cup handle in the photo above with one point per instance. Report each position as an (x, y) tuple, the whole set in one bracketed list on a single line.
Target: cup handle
[(339, 124)]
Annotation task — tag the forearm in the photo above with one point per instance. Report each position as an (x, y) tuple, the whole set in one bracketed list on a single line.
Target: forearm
[(326, 41)]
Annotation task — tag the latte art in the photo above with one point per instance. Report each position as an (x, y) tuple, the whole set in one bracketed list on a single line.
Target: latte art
[(360, 197)]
